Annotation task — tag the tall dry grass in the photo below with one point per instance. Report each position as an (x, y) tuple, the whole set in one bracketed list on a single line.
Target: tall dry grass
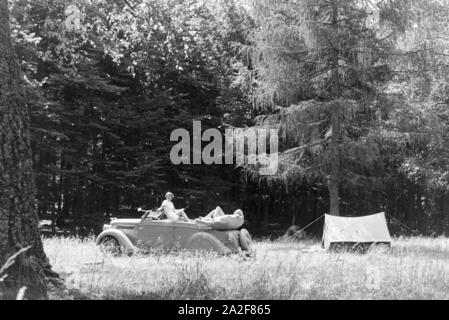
[(4, 291), (414, 268)]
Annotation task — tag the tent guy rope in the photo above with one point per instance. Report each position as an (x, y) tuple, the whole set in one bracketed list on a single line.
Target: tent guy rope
[(312, 223)]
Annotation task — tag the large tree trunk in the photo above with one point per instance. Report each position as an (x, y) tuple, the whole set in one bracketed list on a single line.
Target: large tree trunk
[(334, 179), (18, 216)]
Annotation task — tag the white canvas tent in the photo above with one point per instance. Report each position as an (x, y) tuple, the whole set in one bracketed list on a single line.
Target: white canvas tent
[(355, 230)]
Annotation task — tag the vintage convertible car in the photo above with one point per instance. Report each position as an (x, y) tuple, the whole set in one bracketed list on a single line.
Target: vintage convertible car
[(127, 235)]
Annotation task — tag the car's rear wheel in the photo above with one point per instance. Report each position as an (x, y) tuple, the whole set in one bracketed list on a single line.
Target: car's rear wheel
[(202, 241), (110, 245), (246, 242)]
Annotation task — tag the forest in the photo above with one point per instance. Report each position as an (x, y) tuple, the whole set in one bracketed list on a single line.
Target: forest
[(359, 91), (108, 82)]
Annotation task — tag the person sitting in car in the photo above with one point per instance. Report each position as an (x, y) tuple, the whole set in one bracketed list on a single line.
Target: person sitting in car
[(217, 219), (168, 208)]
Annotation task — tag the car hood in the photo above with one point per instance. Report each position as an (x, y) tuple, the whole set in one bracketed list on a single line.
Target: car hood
[(125, 222)]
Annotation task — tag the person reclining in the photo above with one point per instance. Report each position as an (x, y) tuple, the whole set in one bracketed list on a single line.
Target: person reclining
[(217, 219), (171, 213)]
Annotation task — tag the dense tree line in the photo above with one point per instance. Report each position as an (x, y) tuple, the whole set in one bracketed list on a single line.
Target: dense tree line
[(108, 83), (357, 89)]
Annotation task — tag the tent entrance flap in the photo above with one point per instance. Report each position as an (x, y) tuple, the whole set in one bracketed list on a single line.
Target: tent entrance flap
[(371, 229)]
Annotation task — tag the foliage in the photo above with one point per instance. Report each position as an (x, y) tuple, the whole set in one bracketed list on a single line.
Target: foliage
[(107, 82)]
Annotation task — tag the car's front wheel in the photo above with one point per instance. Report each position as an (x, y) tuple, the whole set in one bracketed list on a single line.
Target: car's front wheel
[(110, 245)]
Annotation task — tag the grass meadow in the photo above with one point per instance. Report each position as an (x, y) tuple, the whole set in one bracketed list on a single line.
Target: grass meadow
[(413, 268)]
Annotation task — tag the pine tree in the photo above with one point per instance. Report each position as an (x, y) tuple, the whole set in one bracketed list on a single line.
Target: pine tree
[(319, 64)]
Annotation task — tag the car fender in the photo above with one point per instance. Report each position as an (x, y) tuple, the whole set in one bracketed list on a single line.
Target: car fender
[(121, 237), (207, 242)]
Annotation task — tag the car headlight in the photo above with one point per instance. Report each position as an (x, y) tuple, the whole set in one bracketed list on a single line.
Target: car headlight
[(106, 227)]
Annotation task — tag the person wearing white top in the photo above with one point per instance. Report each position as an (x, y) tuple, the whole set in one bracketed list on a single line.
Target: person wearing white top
[(169, 209)]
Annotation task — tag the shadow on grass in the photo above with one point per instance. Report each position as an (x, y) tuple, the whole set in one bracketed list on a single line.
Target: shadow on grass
[(196, 289), (419, 251)]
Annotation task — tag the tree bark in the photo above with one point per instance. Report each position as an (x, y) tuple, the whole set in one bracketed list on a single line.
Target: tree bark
[(334, 179), (18, 216)]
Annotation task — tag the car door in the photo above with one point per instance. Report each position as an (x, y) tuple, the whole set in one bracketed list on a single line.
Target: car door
[(155, 234), (182, 235), (184, 231)]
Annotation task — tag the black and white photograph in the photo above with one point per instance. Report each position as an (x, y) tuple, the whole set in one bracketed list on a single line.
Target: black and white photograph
[(224, 154)]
